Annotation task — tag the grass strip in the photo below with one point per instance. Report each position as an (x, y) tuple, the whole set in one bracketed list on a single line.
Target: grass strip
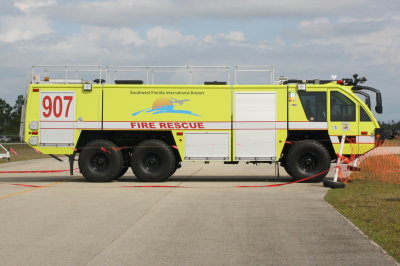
[(24, 152), (374, 208)]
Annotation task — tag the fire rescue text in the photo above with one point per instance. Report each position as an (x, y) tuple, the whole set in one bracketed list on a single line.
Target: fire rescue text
[(167, 125)]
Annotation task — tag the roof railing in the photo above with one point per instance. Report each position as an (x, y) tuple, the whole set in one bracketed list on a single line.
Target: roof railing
[(72, 74), (267, 70), (64, 74), (151, 71)]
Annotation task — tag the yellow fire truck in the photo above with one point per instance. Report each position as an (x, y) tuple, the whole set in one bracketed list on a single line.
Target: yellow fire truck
[(114, 124)]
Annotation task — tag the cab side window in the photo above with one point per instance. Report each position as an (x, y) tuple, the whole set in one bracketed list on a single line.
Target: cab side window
[(342, 108), (314, 104), (364, 117)]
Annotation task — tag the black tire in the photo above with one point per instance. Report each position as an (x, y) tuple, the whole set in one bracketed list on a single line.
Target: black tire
[(332, 184), (177, 166), (126, 157), (100, 161), (124, 169), (153, 161), (307, 158)]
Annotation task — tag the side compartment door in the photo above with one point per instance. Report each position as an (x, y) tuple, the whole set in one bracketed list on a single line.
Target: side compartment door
[(254, 125), (57, 115)]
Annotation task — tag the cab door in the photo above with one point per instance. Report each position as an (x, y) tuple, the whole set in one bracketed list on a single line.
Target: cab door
[(343, 121), (366, 138)]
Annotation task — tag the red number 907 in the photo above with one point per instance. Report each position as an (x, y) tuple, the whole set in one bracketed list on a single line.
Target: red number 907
[(54, 106)]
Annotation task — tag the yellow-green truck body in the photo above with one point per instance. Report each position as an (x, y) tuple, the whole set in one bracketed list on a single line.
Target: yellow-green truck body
[(228, 123)]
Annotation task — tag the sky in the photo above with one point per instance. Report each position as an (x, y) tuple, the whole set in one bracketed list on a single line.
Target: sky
[(302, 39)]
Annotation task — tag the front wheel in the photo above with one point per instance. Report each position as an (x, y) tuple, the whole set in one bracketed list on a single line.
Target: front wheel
[(153, 161), (306, 159)]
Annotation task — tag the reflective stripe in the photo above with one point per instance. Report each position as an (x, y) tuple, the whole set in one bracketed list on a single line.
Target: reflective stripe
[(56, 124), (88, 125), (254, 125), (366, 139), (308, 125), (359, 139), (334, 139), (117, 125), (70, 125), (217, 125), (281, 125)]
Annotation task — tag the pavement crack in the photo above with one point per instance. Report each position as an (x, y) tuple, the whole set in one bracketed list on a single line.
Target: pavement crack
[(190, 176)]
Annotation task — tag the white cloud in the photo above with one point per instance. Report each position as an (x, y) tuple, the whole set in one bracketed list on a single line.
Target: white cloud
[(370, 19), (278, 43), (162, 37), (94, 40), (128, 12), (28, 5), (375, 38), (124, 36), (19, 23), (381, 46), (234, 36), (20, 28), (314, 23)]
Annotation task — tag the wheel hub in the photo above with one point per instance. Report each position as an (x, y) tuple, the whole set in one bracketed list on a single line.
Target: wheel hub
[(151, 162), (99, 162), (308, 162)]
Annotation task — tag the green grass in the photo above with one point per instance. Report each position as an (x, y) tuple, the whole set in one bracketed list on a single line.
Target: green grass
[(374, 208), (24, 152)]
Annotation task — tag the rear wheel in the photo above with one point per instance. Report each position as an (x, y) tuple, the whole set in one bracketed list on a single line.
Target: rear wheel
[(153, 161), (307, 158), (177, 166), (100, 161), (126, 157), (124, 169)]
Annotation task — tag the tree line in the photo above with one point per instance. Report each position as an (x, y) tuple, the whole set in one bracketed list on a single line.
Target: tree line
[(391, 125), (10, 116), (391, 129)]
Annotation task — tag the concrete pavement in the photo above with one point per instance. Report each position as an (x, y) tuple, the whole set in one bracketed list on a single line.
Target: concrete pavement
[(206, 220)]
